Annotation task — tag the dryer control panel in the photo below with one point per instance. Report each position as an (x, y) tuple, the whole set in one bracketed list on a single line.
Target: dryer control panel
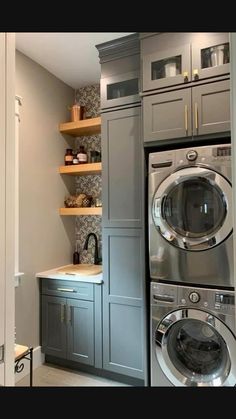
[(222, 301)]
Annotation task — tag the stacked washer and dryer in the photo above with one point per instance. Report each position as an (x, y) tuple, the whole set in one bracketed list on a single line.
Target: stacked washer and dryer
[(193, 339)]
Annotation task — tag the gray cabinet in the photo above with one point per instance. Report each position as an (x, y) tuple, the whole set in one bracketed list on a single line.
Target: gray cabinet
[(210, 55), (211, 108), (166, 68), (120, 89), (121, 171), (167, 115), (172, 59), (202, 109), (124, 332), (68, 329), (80, 331), (120, 69), (54, 326), (123, 324)]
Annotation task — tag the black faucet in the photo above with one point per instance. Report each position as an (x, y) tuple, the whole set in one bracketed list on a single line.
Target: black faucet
[(96, 258)]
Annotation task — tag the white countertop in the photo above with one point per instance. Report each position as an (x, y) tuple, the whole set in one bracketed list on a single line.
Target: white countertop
[(54, 274)]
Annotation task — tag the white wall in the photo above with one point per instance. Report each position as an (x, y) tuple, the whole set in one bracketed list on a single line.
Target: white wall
[(45, 239)]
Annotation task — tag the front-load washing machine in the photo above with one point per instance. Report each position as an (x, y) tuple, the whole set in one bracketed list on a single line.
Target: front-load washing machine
[(190, 216), (193, 340)]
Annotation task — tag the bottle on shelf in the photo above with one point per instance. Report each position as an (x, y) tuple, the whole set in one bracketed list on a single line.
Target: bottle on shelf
[(75, 158), (68, 157), (82, 155)]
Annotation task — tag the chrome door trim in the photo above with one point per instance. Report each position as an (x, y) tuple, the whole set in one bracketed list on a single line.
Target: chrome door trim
[(177, 177), (161, 338)]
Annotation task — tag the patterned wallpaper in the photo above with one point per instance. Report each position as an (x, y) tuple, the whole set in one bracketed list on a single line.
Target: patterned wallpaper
[(89, 97)]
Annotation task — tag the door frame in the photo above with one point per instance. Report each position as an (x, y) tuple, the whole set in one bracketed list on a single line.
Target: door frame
[(7, 209)]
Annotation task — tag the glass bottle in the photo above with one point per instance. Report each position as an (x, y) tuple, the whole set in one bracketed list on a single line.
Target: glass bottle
[(68, 157), (82, 155), (75, 158)]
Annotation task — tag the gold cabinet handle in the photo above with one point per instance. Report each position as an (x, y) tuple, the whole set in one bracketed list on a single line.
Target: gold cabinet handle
[(195, 74), (186, 118), (185, 76), (69, 309), (66, 289), (196, 115), (63, 313)]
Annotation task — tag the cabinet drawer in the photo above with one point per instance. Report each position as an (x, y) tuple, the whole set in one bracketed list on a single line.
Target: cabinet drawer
[(70, 289)]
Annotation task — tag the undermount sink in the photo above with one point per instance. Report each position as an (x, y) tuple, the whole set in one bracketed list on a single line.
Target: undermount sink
[(81, 269), (81, 272)]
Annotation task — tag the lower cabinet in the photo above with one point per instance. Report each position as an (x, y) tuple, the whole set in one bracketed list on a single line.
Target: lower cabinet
[(123, 311), (68, 329)]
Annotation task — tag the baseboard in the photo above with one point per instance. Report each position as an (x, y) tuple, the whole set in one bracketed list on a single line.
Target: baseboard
[(38, 359)]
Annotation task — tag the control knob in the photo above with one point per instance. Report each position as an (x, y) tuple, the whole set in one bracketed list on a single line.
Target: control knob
[(191, 155), (194, 297)]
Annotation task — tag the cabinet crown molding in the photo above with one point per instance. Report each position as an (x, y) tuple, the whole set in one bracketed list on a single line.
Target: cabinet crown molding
[(119, 48)]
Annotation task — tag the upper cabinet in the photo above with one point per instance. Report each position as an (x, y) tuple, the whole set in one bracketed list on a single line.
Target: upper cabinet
[(198, 110), (120, 63), (170, 59), (120, 90)]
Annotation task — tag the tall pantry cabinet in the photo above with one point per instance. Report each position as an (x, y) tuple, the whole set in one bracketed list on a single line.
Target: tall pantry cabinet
[(124, 340)]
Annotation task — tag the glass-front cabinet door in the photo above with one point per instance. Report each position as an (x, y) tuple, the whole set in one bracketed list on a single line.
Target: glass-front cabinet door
[(120, 90), (210, 55), (166, 68)]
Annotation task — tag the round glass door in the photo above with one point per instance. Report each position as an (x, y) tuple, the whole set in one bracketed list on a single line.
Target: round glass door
[(195, 348), (191, 208)]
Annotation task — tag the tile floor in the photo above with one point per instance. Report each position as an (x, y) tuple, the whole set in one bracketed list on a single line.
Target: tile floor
[(48, 375)]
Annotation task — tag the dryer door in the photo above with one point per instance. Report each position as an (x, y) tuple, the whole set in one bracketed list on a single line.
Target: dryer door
[(191, 208), (195, 348)]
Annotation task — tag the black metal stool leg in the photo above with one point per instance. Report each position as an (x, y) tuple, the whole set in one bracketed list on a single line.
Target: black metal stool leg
[(31, 367)]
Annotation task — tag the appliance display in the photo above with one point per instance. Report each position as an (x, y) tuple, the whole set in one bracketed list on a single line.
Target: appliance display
[(190, 216)]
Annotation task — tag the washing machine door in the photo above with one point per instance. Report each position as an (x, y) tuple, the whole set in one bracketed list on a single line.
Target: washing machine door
[(195, 348), (191, 208)]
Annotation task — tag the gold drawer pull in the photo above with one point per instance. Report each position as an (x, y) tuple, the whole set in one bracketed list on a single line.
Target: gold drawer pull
[(196, 115), (69, 316), (63, 306), (186, 118), (66, 289)]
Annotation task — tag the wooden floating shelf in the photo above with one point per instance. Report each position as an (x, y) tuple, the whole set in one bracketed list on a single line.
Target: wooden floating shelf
[(81, 169), (81, 211), (84, 127)]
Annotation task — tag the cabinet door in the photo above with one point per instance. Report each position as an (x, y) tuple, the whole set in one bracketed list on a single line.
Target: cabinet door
[(210, 55), (120, 90), (54, 326), (166, 68), (80, 323), (121, 173), (167, 115), (211, 108), (123, 323)]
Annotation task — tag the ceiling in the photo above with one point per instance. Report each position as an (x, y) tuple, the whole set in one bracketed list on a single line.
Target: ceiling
[(70, 56)]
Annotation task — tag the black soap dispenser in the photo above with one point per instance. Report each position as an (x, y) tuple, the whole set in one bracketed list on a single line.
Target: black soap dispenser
[(76, 256)]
